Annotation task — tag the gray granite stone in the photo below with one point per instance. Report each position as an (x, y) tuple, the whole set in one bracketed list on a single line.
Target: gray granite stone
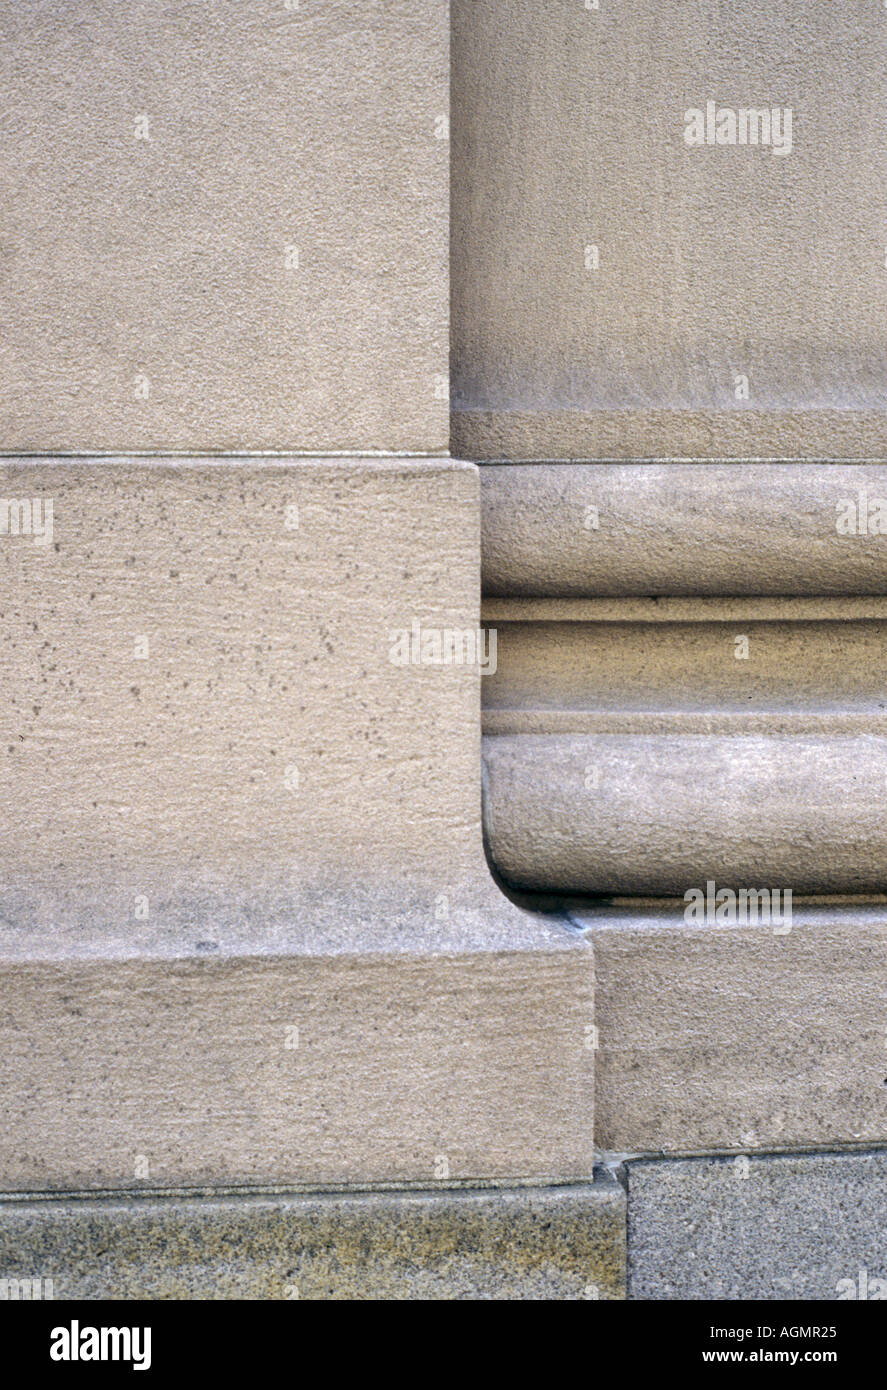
[(520, 1243), (810, 1226)]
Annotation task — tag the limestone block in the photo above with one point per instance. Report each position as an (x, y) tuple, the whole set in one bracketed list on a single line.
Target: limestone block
[(806, 1226), (738, 1038), (225, 226), (247, 930), (518, 1243), (619, 292)]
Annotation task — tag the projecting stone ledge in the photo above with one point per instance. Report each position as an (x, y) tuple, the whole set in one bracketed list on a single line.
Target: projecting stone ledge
[(584, 530), (659, 814), (522, 1243), (248, 935)]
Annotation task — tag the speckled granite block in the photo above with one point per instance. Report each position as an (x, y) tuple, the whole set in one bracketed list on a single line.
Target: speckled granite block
[(521, 1243), (811, 1226)]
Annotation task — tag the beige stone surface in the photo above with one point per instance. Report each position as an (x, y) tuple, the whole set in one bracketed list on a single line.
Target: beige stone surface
[(630, 753), (247, 928), (613, 288), (225, 226), (207, 1066), (738, 1039), (626, 435), (200, 690), (593, 530), (690, 676), (650, 666), (659, 814), (644, 746)]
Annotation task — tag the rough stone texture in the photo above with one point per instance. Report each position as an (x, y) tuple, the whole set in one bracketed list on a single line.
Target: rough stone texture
[(267, 270), (712, 264), (506, 434), (383, 1062), (559, 1243), (809, 1226), (738, 1038), (658, 814), (327, 1066), (260, 824), (263, 743), (578, 530)]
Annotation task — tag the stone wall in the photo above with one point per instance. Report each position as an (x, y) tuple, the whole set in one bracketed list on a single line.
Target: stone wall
[(442, 571)]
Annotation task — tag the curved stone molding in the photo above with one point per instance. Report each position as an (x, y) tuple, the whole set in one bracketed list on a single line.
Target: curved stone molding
[(641, 746), (687, 666), (606, 529), (660, 815)]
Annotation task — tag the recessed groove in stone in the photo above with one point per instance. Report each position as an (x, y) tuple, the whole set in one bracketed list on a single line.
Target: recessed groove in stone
[(832, 608), (498, 722), (703, 668)]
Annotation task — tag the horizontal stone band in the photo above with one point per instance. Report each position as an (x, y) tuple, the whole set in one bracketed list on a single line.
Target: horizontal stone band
[(625, 530), (663, 814)]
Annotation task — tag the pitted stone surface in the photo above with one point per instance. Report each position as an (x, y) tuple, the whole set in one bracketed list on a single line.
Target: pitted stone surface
[(522, 1243), (225, 226), (809, 1226)]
